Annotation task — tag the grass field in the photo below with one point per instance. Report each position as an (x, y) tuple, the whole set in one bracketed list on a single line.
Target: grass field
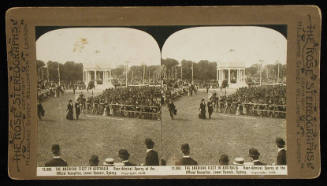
[(104, 136)]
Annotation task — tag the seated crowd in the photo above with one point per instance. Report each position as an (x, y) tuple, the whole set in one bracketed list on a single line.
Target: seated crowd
[(267, 101), (47, 89), (134, 102), (152, 157)]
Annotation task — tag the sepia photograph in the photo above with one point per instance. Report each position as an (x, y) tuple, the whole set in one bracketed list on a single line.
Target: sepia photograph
[(223, 92), (99, 97), (209, 96), (225, 96)]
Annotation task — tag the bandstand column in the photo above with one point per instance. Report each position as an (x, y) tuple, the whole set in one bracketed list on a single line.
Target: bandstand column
[(222, 75), (243, 75), (238, 75), (104, 76), (228, 76)]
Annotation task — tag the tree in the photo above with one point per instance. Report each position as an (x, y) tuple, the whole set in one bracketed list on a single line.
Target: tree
[(118, 72), (170, 65), (72, 71)]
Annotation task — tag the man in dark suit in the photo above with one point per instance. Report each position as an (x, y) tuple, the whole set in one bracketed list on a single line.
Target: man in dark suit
[(94, 160), (172, 109), (56, 161), (124, 155), (223, 160), (40, 110), (281, 155), (254, 154), (151, 155), (186, 160), (77, 109)]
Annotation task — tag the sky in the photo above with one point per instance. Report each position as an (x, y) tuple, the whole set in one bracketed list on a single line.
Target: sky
[(245, 45), (105, 47)]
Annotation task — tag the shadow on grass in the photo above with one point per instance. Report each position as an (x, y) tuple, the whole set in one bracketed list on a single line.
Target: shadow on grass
[(181, 119), (47, 120)]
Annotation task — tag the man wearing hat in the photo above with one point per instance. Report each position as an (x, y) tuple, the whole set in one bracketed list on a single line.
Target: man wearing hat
[(70, 111), (56, 161), (223, 160), (202, 109), (124, 155), (172, 109), (186, 160), (151, 155), (254, 154), (94, 160), (40, 110), (281, 155)]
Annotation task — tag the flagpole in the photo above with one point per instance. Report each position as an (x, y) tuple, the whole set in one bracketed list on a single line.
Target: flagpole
[(126, 73), (58, 75), (192, 72), (277, 71), (143, 73), (260, 71), (48, 76), (181, 72)]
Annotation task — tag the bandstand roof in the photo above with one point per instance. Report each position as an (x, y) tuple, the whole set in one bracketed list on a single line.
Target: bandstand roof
[(230, 64), (95, 67)]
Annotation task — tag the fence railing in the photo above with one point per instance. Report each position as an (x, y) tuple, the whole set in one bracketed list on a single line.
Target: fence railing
[(253, 109), (121, 110)]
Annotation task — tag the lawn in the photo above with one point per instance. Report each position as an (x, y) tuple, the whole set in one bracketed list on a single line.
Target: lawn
[(104, 136)]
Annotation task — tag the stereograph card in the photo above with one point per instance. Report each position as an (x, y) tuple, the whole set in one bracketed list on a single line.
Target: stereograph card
[(164, 92)]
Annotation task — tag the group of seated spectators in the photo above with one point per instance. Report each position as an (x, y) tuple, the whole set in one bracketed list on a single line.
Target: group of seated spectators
[(264, 101), (47, 89), (152, 157), (136, 102)]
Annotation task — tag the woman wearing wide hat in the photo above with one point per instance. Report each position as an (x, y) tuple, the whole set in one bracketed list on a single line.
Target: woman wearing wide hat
[(202, 114), (70, 112)]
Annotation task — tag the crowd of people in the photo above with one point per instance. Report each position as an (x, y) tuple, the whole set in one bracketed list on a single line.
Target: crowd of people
[(264, 101), (46, 89), (142, 102), (152, 157)]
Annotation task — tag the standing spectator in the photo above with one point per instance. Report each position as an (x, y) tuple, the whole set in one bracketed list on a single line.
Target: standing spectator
[(56, 161), (124, 155), (70, 111), (223, 160), (202, 114), (172, 109), (94, 160), (254, 154), (40, 110), (186, 160), (151, 155), (281, 155), (77, 109), (210, 109)]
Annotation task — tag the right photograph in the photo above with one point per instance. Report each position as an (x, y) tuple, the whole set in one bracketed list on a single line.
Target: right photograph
[(224, 96)]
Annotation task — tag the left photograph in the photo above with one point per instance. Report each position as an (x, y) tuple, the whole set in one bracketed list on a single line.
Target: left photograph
[(99, 97)]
